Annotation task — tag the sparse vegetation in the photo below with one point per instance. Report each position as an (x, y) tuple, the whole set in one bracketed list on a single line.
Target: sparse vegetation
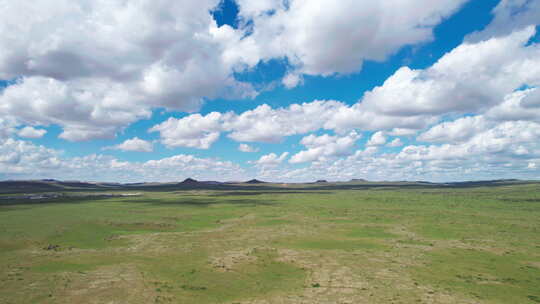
[(319, 243)]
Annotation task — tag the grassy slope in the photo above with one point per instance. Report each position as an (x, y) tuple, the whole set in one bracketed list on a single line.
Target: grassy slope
[(380, 245)]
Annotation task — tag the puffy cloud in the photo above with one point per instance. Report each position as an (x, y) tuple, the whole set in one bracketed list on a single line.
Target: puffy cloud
[(24, 160), (325, 146), (455, 131), (150, 54), (472, 77), (471, 148), (168, 54), (509, 15), (190, 166), (134, 144), (247, 148), (163, 59), (505, 140), (322, 38), (377, 139), (513, 108), (94, 67), (30, 132), (269, 125), (520, 105), (19, 157), (395, 143), (506, 150), (531, 99), (7, 127), (292, 80), (251, 8), (364, 116), (402, 132), (129, 38), (270, 160), (264, 124), (86, 110), (193, 131)]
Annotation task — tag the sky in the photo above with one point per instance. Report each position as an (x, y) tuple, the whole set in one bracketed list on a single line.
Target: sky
[(278, 90)]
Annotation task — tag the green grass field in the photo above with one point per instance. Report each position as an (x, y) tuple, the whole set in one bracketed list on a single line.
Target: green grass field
[(270, 244)]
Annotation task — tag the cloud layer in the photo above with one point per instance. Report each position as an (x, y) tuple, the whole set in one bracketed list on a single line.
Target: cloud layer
[(111, 62), (323, 38), (94, 68), (21, 159)]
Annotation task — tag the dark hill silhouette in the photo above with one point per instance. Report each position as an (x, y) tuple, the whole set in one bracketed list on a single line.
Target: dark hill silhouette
[(48, 185), (190, 181), (255, 181)]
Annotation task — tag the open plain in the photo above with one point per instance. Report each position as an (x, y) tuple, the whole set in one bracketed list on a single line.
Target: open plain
[(273, 243)]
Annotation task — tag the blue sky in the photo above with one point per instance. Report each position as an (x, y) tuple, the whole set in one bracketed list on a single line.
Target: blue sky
[(276, 90)]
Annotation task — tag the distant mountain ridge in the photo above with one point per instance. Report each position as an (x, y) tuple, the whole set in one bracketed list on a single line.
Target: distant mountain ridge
[(52, 185)]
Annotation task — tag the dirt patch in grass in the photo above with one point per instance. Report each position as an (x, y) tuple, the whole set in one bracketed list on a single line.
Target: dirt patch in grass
[(230, 259), (121, 283), (156, 243)]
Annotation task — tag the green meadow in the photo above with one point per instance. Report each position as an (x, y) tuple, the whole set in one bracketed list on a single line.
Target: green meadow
[(333, 243)]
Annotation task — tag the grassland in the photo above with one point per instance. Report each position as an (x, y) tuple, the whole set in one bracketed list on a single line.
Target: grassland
[(276, 244)]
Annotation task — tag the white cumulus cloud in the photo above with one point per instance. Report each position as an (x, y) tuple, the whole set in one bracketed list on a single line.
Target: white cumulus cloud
[(472, 77), (193, 131), (325, 146), (24, 160), (377, 139), (31, 132), (135, 145), (395, 143), (247, 148), (325, 37), (94, 67), (271, 160)]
